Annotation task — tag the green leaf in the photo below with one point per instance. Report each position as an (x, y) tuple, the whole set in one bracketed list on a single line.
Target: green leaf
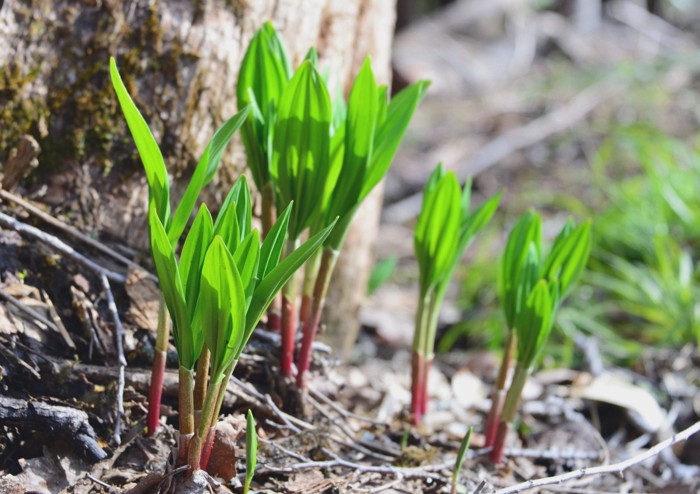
[(221, 308), (569, 256), (273, 244), (523, 246), (300, 157), (360, 130), (187, 342), (534, 322), (391, 132), (151, 157), (278, 276), (251, 451), (264, 73), (204, 172), (246, 258), (192, 258), (436, 234), (233, 222), (461, 455), (477, 221)]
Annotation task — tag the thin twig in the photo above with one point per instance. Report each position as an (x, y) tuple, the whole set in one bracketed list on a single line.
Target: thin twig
[(480, 487), (99, 482), (288, 452), (615, 468), (57, 320), (270, 403), (342, 411), (406, 473), (59, 245), (27, 310), (32, 209), (121, 361)]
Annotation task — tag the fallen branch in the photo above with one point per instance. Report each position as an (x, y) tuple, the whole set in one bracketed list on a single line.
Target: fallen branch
[(67, 422), (615, 468), (59, 245), (32, 209), (121, 361)]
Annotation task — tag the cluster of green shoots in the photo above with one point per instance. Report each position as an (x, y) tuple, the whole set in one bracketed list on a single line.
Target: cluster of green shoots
[(314, 159), (532, 288), (324, 155), (444, 230), (218, 287)]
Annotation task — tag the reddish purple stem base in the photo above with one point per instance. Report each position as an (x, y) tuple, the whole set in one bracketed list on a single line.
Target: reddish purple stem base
[(156, 392), (288, 333)]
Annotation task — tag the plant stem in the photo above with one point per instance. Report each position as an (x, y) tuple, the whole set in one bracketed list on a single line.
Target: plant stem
[(309, 286), (289, 319), (494, 416), (510, 409), (194, 454), (429, 346), (268, 218), (418, 377), (200, 383), (318, 299), (158, 371), (221, 393), (186, 412)]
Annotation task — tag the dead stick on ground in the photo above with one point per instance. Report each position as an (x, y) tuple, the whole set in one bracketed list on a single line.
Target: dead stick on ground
[(616, 468), (59, 245), (32, 209), (119, 337), (27, 310), (510, 141)]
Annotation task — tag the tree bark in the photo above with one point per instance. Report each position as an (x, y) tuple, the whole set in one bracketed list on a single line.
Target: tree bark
[(179, 59)]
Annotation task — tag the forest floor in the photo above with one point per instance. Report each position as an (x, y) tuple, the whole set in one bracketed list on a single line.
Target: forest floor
[(76, 325)]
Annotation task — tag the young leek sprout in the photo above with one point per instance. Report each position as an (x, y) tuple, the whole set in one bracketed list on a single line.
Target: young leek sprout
[(299, 168), (517, 277), (216, 294), (444, 230), (365, 138), (541, 285), (159, 193), (251, 451)]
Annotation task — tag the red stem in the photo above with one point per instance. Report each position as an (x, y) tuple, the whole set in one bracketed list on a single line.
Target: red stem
[(306, 307), (288, 334), (499, 443), (304, 358), (206, 449), (156, 391), (315, 304), (494, 417), (417, 387)]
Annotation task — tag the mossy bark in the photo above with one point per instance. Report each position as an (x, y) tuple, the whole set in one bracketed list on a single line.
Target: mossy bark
[(179, 60)]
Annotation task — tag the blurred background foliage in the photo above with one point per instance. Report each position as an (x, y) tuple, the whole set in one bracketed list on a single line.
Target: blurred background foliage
[(631, 161)]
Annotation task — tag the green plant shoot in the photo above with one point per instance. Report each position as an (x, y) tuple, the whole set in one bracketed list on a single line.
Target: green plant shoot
[(216, 293), (159, 195), (299, 168), (540, 284), (444, 230), (366, 135), (461, 456), (519, 272), (251, 451)]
